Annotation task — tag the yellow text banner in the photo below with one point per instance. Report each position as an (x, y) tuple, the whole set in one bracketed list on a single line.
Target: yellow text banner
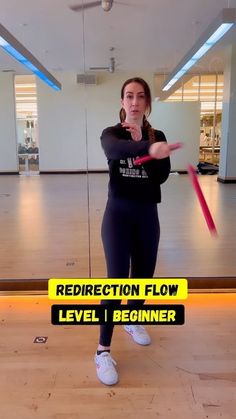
[(118, 289)]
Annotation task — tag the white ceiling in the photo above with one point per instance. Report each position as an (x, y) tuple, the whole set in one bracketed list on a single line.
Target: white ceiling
[(151, 35)]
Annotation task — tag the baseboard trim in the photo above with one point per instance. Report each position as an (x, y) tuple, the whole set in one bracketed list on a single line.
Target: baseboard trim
[(70, 172), (199, 284), (9, 173), (84, 172), (74, 172), (221, 180)]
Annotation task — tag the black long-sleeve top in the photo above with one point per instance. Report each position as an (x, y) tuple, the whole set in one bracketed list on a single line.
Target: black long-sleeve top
[(141, 183)]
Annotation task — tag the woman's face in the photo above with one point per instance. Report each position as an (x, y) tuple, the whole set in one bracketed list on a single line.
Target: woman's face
[(134, 102)]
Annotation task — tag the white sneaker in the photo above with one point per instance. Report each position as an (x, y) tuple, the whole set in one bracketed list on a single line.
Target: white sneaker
[(106, 371), (138, 333)]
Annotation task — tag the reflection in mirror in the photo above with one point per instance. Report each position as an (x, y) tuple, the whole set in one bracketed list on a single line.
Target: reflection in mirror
[(27, 124), (51, 223), (44, 220), (186, 247)]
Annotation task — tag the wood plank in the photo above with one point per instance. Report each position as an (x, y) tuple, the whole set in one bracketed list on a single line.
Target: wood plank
[(44, 228), (187, 372)]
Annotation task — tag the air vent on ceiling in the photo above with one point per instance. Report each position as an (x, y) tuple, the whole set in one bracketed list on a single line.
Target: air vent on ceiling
[(87, 78)]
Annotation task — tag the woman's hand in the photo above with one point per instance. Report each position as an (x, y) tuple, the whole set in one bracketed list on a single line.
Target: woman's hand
[(134, 129), (162, 149)]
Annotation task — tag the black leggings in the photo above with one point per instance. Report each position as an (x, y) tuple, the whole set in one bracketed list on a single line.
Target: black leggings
[(130, 235)]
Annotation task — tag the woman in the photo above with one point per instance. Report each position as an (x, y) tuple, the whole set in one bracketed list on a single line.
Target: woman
[(130, 227)]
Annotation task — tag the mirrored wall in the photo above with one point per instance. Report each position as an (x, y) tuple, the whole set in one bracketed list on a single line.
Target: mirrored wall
[(27, 124), (54, 209), (208, 91)]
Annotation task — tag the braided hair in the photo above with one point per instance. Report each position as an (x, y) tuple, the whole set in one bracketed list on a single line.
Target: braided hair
[(148, 97)]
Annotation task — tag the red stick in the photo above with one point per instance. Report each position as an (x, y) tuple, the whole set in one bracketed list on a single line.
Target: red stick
[(202, 201), (145, 159), (142, 160)]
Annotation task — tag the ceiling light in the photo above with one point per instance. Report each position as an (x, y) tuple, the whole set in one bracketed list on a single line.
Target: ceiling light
[(107, 5), (213, 34), (25, 85), (177, 92), (13, 47), (25, 93), (25, 98), (208, 84)]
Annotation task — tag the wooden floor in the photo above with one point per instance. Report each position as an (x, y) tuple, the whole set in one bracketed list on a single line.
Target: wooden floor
[(47, 231), (188, 372)]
